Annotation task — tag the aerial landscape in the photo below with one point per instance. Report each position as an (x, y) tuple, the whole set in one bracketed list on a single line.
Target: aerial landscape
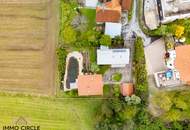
[(94, 64)]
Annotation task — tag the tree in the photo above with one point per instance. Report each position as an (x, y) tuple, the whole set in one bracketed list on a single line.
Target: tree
[(67, 13), (164, 104), (142, 118), (106, 110), (116, 104), (69, 35), (164, 30), (177, 126), (133, 100), (129, 112), (116, 89), (179, 31), (105, 40), (140, 70), (62, 54), (79, 23), (179, 103), (90, 37), (117, 41), (172, 115), (187, 26)]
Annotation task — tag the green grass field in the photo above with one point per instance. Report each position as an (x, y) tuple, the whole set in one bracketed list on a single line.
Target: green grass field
[(49, 113)]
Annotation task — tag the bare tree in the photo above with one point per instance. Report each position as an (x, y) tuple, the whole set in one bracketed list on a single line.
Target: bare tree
[(79, 23)]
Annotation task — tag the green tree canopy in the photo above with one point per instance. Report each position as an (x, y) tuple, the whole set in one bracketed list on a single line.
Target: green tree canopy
[(69, 35), (105, 40)]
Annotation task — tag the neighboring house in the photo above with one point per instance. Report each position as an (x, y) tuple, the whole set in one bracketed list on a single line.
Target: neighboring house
[(91, 3), (89, 85), (151, 14), (182, 62), (169, 77), (117, 58), (170, 10), (178, 68), (127, 89), (109, 13)]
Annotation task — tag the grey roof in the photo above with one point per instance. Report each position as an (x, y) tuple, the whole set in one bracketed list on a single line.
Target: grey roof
[(114, 57)]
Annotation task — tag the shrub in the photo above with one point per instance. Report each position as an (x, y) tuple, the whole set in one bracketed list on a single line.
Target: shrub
[(61, 54), (140, 69), (179, 31), (133, 100), (129, 112), (69, 35), (117, 41), (117, 77), (116, 89), (105, 40)]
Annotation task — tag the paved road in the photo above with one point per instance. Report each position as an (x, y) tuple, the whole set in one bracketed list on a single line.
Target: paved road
[(133, 26)]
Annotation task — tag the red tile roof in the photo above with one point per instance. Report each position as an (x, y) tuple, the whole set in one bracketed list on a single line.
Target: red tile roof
[(126, 89), (90, 85), (182, 62), (126, 4), (109, 12)]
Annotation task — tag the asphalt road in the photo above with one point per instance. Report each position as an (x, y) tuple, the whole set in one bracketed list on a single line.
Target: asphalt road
[(133, 27)]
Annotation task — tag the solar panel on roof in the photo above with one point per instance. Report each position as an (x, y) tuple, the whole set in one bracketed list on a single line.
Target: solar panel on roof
[(119, 50)]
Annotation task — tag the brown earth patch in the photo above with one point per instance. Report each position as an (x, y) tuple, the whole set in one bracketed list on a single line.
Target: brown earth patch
[(28, 37)]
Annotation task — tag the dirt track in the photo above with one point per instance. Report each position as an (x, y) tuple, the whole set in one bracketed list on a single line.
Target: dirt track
[(28, 36)]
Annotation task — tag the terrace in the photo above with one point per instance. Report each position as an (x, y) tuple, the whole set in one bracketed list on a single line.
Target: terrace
[(168, 78)]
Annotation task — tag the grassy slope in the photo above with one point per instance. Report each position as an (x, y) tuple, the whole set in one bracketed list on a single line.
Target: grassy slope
[(50, 114)]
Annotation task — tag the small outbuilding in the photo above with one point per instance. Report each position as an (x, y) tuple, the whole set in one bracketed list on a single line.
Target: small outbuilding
[(127, 89)]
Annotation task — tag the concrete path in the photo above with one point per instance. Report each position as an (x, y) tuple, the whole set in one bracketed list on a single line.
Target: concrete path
[(154, 55)]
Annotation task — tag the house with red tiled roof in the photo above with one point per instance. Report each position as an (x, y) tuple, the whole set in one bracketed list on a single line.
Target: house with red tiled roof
[(89, 85), (182, 62), (109, 13)]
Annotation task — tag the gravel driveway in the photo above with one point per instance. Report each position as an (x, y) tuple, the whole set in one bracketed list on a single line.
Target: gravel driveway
[(154, 54)]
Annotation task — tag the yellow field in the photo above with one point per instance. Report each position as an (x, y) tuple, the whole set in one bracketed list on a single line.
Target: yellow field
[(28, 36)]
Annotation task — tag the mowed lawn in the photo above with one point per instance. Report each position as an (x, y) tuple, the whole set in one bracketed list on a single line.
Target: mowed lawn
[(50, 114)]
